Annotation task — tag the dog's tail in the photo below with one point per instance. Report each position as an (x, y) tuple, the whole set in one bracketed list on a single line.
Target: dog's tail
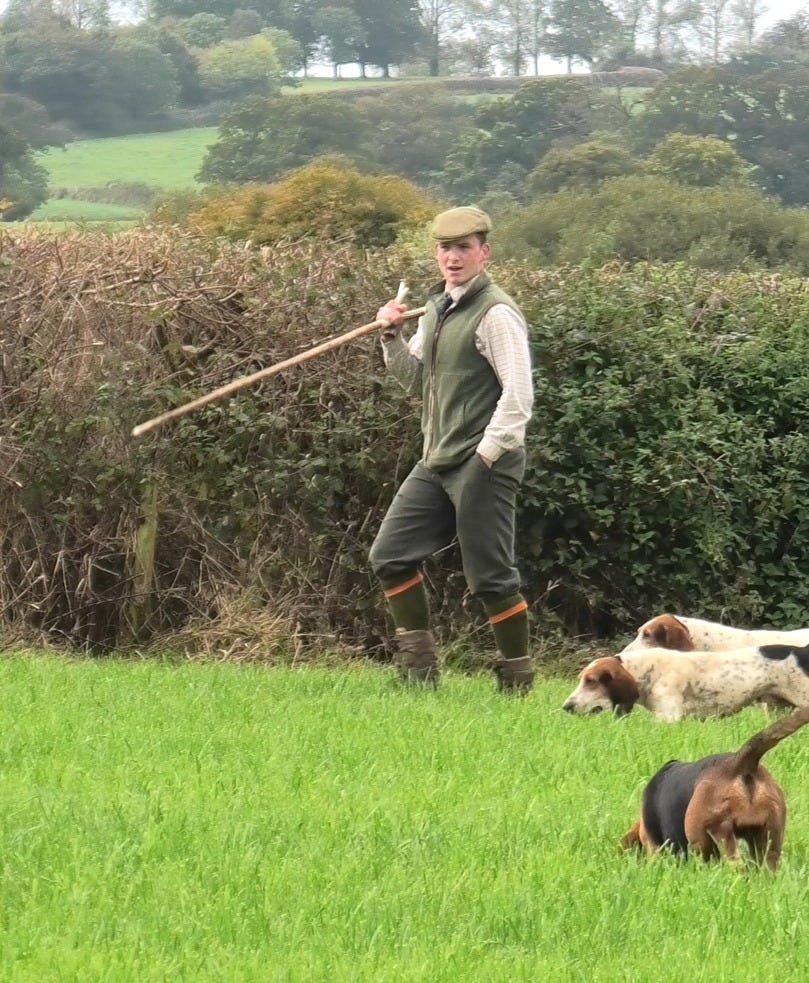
[(749, 755)]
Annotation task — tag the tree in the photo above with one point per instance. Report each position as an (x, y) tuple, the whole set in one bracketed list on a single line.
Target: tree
[(84, 13), (23, 182), (401, 142), (95, 80), (262, 138), (342, 33), (236, 69), (584, 165), (391, 30), (631, 15), (513, 134), (275, 13), (519, 29), (29, 121), (714, 28), (302, 28), (440, 20), (791, 34), (648, 218), (700, 162), (667, 18), (578, 30), (144, 84), (186, 67), (765, 115), (746, 15), (203, 30)]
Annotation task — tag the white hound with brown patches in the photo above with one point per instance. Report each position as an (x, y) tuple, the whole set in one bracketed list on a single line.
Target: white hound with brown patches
[(672, 685), (682, 634)]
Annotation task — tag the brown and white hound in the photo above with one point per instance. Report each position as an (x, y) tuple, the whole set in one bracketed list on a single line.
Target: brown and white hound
[(683, 634), (672, 685), (711, 804)]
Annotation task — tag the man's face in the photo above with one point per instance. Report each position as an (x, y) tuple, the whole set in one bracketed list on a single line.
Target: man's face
[(461, 259)]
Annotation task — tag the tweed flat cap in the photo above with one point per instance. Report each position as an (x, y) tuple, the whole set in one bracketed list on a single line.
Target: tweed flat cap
[(456, 223)]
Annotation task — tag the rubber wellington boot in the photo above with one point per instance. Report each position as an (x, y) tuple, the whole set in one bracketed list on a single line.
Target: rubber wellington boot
[(514, 676), (416, 658)]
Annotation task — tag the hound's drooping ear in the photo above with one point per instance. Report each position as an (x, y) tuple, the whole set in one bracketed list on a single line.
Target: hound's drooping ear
[(622, 690)]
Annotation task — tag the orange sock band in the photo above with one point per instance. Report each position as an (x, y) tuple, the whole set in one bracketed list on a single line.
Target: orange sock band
[(518, 608), (401, 588)]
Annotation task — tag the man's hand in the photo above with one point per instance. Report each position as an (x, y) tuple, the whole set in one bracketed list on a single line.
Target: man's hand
[(391, 315), (486, 460)]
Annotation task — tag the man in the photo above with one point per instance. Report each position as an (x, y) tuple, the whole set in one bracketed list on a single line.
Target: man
[(471, 353)]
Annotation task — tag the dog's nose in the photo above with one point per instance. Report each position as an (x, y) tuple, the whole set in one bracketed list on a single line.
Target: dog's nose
[(567, 705)]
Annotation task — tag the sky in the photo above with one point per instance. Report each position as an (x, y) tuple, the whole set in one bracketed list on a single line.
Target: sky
[(778, 10), (782, 10)]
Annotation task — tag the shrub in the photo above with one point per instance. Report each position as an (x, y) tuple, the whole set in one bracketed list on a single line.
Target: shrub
[(584, 165), (324, 200), (666, 456), (697, 161), (643, 217)]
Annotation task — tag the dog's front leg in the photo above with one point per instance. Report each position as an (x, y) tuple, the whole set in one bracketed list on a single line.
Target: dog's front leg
[(724, 836)]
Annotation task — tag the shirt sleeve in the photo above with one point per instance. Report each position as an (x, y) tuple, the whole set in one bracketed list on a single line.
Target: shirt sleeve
[(502, 339), (403, 357)]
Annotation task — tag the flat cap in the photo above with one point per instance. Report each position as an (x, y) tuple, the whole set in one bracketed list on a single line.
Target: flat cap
[(456, 223)]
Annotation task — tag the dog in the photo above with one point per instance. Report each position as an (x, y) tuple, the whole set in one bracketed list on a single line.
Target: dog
[(671, 631), (672, 685), (711, 804)]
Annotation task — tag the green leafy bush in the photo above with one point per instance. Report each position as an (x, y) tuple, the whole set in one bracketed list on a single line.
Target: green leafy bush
[(324, 200), (666, 457), (644, 217), (583, 165), (697, 161)]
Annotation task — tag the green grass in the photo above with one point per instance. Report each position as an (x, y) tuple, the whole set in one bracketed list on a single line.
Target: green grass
[(167, 161), (216, 822), (71, 210)]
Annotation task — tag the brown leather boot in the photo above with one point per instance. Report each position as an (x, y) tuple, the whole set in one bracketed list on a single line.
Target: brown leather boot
[(416, 658), (514, 676)]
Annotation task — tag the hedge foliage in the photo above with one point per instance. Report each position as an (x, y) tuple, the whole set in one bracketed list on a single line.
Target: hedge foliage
[(667, 455)]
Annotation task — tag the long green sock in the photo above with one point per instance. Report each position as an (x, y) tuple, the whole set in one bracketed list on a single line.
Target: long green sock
[(409, 604), (508, 617)]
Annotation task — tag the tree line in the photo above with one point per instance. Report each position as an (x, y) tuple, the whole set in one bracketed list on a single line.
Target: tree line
[(70, 68)]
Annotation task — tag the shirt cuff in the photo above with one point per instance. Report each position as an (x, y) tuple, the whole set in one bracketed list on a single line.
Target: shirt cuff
[(489, 449)]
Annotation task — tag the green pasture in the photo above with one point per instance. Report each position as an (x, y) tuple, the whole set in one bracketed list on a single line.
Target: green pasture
[(220, 822), (72, 211), (166, 161)]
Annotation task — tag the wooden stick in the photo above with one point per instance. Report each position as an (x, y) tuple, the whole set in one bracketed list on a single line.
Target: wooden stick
[(248, 380)]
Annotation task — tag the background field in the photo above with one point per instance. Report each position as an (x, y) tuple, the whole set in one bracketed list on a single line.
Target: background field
[(216, 822), (167, 161)]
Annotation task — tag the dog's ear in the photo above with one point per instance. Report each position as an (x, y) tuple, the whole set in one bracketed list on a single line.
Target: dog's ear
[(672, 634), (622, 689)]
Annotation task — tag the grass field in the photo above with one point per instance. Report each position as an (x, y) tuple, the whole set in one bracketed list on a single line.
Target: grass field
[(215, 822), (167, 161)]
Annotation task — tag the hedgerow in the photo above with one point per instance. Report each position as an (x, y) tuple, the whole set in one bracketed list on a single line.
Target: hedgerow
[(666, 457)]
